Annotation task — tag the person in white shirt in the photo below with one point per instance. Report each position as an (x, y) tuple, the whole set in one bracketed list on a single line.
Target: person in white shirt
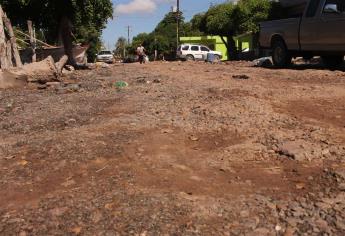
[(141, 54)]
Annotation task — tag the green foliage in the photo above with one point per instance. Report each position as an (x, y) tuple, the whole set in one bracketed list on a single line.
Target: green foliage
[(221, 19), (120, 47), (188, 29), (230, 19), (252, 12), (88, 17), (199, 22)]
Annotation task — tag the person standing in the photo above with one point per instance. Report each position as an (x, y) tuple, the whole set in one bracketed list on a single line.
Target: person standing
[(141, 54)]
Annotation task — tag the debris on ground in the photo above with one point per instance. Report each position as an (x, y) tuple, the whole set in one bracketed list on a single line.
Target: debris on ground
[(102, 65), (39, 72), (263, 62), (121, 84), (240, 77)]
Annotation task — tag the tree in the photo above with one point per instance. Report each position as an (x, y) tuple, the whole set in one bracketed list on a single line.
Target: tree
[(67, 21), (199, 22), (120, 47), (252, 12), (163, 37), (222, 20), (228, 19), (188, 29)]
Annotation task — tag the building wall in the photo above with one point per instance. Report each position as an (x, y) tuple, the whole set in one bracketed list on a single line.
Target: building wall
[(244, 42)]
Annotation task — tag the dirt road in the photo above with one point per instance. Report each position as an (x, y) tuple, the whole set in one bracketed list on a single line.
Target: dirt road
[(185, 149)]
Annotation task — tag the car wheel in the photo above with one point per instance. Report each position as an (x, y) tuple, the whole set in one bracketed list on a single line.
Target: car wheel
[(332, 62), (280, 54), (189, 58)]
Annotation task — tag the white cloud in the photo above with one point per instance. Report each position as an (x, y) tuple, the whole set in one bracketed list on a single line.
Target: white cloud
[(136, 6), (139, 6)]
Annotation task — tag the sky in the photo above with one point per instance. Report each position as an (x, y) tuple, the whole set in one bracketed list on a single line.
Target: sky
[(144, 15)]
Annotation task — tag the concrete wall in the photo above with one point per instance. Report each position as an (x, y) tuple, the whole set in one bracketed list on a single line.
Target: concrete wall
[(244, 42)]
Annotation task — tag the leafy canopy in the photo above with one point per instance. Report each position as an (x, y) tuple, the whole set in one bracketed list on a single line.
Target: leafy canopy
[(120, 47), (229, 19), (88, 17)]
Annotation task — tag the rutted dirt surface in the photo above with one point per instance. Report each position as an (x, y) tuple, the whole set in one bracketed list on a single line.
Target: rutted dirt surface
[(185, 149)]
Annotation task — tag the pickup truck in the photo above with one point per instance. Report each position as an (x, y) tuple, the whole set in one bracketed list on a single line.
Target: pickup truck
[(318, 31)]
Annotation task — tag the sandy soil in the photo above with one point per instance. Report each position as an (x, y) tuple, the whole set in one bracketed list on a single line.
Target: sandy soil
[(185, 149)]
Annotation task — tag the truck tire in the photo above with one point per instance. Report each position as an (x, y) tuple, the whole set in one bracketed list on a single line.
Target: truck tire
[(332, 62), (280, 54)]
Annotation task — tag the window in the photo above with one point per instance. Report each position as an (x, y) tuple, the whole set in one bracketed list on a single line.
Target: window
[(312, 8), (195, 48), (185, 48), (338, 6), (205, 49), (105, 53)]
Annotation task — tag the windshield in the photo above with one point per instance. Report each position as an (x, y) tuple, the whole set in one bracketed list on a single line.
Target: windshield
[(104, 53)]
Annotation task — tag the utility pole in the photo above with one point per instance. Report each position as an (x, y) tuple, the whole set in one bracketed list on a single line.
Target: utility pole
[(128, 32), (178, 23), (155, 48)]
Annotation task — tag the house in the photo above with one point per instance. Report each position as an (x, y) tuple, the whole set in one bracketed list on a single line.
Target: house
[(244, 42), (247, 46)]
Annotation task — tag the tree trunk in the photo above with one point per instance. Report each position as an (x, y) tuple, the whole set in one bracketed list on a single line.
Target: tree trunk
[(13, 40), (230, 47), (32, 41), (3, 51), (60, 64), (67, 39), (9, 53)]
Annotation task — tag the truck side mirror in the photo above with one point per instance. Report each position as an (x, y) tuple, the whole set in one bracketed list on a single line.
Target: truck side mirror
[(331, 8)]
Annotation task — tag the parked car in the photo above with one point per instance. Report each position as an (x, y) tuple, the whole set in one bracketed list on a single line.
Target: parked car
[(105, 56), (319, 31), (191, 52)]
